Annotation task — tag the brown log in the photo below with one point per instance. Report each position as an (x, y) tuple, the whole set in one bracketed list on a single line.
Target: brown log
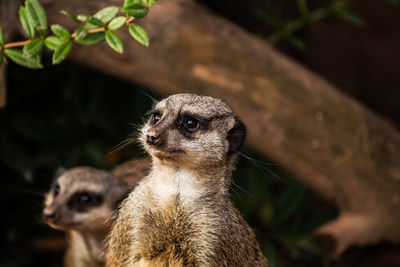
[(327, 140)]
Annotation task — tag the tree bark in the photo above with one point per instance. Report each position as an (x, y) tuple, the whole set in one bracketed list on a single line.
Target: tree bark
[(327, 140)]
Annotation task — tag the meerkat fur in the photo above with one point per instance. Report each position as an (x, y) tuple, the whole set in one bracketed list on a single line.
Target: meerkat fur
[(82, 202), (181, 213)]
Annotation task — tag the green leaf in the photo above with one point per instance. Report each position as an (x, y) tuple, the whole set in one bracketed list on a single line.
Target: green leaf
[(392, 2), (303, 8), (95, 21), (349, 16), (296, 42), (33, 48), (53, 42), (20, 58), (62, 52), (131, 2), (37, 15), (149, 3), (107, 14), (117, 23), (136, 10), (25, 22), (114, 41), (89, 26), (272, 254), (289, 202), (82, 17), (69, 15), (80, 34), (139, 34), (60, 31), (269, 20), (1, 37), (91, 38)]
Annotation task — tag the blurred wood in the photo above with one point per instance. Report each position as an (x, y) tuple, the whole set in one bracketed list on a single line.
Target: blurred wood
[(49, 244), (327, 140), (3, 87)]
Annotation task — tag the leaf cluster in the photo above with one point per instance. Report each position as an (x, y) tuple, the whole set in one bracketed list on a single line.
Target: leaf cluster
[(285, 29), (92, 29)]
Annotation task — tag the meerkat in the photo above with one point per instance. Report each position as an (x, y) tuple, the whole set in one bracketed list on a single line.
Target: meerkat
[(132, 171), (82, 202), (181, 213)]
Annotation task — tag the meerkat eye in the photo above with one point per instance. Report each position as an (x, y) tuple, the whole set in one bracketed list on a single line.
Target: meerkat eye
[(155, 118), (57, 190), (190, 124), (84, 198)]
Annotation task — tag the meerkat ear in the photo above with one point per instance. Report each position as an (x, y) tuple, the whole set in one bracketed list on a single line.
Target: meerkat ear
[(59, 172), (236, 136)]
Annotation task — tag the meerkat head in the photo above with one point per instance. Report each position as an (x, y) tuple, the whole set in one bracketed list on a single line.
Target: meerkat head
[(193, 131), (83, 199)]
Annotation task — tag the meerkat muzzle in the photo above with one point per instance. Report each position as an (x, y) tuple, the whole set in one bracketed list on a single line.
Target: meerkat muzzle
[(153, 138)]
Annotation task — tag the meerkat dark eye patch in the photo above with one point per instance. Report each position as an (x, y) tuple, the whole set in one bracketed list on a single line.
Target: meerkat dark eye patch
[(153, 116), (191, 124), (236, 136), (57, 190), (84, 200)]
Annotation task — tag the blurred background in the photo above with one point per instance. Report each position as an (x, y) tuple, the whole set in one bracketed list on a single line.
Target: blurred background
[(70, 115)]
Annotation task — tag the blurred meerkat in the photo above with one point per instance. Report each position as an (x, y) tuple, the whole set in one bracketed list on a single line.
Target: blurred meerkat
[(82, 202), (132, 171), (181, 213)]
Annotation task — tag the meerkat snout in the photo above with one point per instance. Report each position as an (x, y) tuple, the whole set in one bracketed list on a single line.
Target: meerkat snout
[(153, 138), (49, 215)]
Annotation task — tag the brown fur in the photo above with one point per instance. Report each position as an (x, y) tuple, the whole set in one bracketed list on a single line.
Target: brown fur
[(181, 214), (87, 226), (131, 172)]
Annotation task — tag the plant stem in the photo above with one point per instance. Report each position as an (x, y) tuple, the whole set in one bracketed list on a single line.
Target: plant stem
[(22, 43), (102, 29), (129, 20), (15, 44)]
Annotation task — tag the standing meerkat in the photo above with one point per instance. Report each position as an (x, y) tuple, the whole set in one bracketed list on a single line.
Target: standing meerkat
[(82, 202), (181, 213)]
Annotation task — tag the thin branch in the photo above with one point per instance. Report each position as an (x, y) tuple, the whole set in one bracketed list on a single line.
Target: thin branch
[(129, 20), (22, 43), (15, 44)]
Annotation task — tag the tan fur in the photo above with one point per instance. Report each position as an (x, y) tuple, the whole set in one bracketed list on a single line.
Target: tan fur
[(181, 214), (87, 227), (131, 172)]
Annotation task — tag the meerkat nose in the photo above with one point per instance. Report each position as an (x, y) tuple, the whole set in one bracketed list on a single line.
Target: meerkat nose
[(153, 138), (49, 215)]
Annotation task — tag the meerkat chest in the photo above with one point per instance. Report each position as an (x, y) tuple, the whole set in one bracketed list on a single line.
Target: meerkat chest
[(175, 225), (167, 185)]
